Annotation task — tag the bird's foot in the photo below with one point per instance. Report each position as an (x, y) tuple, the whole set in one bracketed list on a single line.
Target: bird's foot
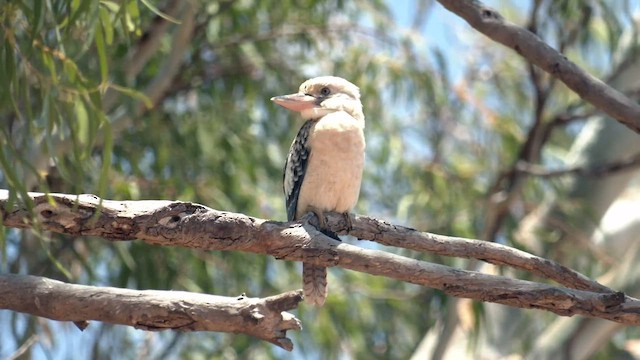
[(348, 221), (322, 223)]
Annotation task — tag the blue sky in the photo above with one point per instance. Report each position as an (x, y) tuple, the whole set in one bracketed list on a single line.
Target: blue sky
[(443, 29)]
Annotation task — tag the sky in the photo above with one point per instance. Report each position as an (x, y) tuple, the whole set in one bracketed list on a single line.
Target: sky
[(444, 30)]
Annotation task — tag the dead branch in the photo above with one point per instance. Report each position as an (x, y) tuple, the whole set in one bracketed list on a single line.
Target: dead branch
[(191, 225), (489, 22), (151, 40), (611, 168), (153, 310), (364, 227)]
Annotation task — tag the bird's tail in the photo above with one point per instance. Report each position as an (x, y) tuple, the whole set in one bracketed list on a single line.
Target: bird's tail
[(314, 279)]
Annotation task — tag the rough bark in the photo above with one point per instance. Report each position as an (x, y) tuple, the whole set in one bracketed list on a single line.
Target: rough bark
[(191, 225), (152, 310), (399, 236)]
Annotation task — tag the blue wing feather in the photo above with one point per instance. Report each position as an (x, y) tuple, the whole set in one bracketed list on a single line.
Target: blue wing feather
[(295, 169)]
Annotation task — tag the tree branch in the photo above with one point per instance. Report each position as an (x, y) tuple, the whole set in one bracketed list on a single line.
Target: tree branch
[(489, 22), (151, 40), (191, 225), (595, 171), (399, 236), (153, 310)]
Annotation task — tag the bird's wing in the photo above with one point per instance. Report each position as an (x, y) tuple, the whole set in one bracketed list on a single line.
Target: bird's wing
[(295, 168)]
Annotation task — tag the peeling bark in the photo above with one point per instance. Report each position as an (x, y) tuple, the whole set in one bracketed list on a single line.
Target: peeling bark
[(152, 310)]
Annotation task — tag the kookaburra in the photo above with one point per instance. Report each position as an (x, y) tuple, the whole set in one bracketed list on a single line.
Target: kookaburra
[(323, 171)]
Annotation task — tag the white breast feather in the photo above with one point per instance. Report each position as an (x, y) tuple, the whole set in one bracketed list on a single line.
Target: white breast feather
[(334, 172)]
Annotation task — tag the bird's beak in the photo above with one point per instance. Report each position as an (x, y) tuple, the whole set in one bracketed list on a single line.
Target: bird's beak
[(295, 102)]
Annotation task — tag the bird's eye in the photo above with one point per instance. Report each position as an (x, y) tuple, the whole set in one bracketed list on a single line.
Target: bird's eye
[(325, 91)]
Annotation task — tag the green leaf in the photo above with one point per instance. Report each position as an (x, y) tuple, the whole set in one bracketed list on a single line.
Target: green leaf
[(70, 70), (49, 62), (107, 26), (78, 8), (39, 8), (160, 13), (107, 149), (130, 17), (102, 54), (134, 94), (9, 173), (112, 6), (8, 71), (52, 258), (82, 120)]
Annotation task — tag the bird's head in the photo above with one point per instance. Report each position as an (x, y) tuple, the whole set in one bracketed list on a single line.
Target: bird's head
[(320, 96)]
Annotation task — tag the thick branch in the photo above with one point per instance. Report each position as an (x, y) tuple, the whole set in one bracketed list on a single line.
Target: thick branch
[(153, 310), (489, 22), (364, 227), (196, 226)]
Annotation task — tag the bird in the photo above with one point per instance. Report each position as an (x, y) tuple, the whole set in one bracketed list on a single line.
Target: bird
[(323, 170)]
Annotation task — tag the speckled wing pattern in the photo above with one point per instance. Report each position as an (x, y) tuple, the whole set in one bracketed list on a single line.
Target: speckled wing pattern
[(295, 168), (314, 278)]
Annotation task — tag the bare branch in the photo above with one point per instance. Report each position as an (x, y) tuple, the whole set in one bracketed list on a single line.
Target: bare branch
[(399, 236), (595, 171), (150, 41), (158, 86), (24, 347), (153, 310), (191, 225), (489, 22), (171, 65)]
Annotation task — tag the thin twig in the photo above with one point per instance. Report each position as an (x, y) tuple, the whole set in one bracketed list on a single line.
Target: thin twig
[(595, 171), (24, 347)]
